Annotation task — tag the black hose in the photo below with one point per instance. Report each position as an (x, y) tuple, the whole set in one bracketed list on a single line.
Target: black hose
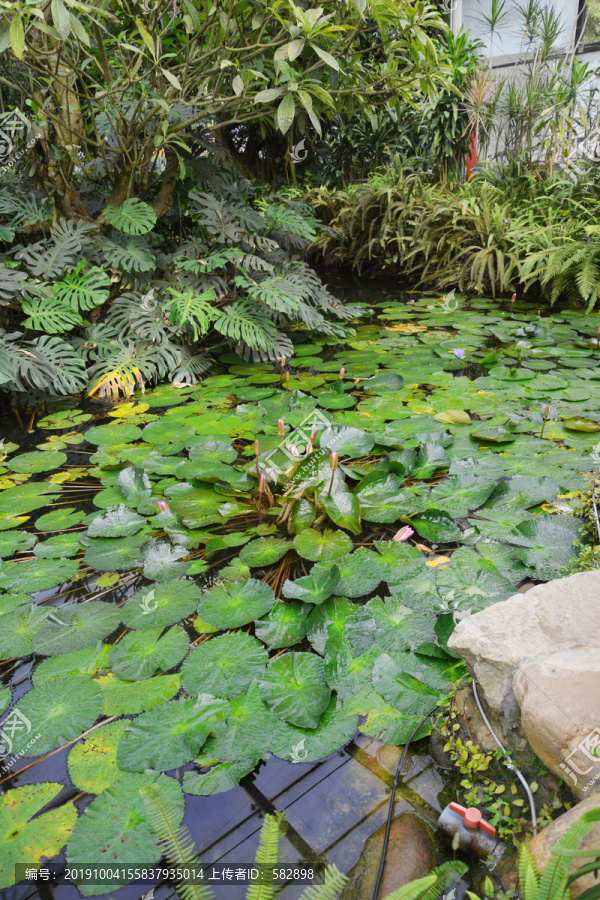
[(392, 804)]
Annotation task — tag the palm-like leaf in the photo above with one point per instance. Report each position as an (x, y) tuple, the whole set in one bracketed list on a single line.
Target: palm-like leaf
[(243, 321), (130, 255), (195, 310), (268, 854), (84, 288), (48, 259), (132, 217), (49, 315)]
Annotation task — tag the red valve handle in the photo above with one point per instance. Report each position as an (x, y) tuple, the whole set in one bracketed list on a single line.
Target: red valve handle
[(473, 818)]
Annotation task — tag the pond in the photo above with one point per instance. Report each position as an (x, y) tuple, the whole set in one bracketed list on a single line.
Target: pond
[(241, 587)]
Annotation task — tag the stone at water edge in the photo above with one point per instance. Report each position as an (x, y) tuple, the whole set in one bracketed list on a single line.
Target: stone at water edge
[(560, 715), (550, 618), (541, 846), (411, 854)]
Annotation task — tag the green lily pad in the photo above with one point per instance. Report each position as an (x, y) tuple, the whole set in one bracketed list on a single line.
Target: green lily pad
[(497, 435), (234, 604), (37, 461), (323, 546), (360, 573), (115, 554), (105, 435), (140, 654), (59, 710), (346, 441), (117, 521), (79, 662), (34, 575), (161, 604), (284, 626), (131, 697), (134, 485), (581, 425), (18, 628), (64, 517), (436, 526), (315, 587), (264, 551), (61, 546), (294, 689), (170, 735), (224, 666), (76, 626), (12, 541), (115, 827), (220, 778)]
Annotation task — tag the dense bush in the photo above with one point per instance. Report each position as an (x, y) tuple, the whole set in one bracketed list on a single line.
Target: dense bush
[(514, 230), (103, 309)]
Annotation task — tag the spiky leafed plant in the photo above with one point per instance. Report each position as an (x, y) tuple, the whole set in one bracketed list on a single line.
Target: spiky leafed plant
[(178, 846)]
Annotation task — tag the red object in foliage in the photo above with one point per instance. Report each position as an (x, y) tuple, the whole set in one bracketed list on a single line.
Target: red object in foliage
[(472, 156), (473, 818)]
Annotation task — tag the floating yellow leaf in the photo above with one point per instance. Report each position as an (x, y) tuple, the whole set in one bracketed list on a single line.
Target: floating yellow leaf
[(107, 579), (63, 477), (406, 328), (453, 417), (438, 562), (128, 409)]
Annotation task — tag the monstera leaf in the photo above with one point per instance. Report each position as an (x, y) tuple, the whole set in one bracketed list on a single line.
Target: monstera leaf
[(133, 216), (294, 689)]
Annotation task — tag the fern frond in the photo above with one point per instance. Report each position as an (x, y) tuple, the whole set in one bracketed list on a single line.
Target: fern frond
[(176, 841), (554, 878), (268, 854), (528, 875), (333, 882)]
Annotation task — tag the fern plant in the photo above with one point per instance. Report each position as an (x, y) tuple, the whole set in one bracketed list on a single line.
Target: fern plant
[(178, 846)]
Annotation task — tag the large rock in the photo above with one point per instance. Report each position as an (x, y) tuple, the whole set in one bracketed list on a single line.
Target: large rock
[(560, 715), (539, 652), (410, 855), (541, 846)]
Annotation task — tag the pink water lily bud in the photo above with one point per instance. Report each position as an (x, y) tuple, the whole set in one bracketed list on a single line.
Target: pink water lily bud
[(163, 507), (403, 534), (282, 362), (342, 372), (294, 451), (513, 298), (280, 428), (333, 460), (262, 484)]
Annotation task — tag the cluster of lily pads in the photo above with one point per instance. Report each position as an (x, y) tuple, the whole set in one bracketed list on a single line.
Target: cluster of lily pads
[(276, 558)]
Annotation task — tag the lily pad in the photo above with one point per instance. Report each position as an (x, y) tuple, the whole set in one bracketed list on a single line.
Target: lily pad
[(93, 763), (224, 666), (294, 689), (34, 575), (264, 551), (131, 697), (234, 604), (37, 461), (76, 626), (161, 604), (140, 654), (284, 626), (170, 735), (323, 546), (315, 587), (220, 778)]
